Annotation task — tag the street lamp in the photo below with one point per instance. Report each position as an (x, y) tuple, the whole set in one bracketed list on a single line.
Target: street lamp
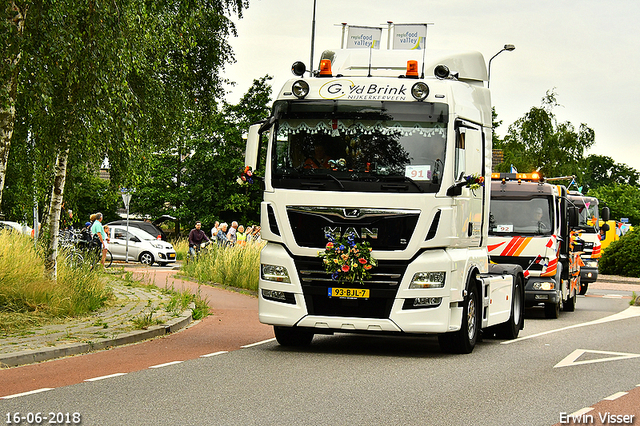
[(507, 47)]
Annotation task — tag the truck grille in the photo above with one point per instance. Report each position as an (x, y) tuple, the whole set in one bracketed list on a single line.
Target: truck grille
[(383, 285)]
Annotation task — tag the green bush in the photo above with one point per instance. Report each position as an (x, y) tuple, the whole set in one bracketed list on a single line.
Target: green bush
[(622, 257)]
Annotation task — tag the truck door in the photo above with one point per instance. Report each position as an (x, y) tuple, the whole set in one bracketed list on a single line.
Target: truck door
[(469, 161)]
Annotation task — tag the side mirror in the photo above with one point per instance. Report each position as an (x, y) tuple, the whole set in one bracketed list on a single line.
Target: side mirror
[(574, 217), (606, 213), (253, 146)]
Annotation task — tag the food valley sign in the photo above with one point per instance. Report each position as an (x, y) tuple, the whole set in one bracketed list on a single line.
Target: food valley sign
[(346, 89)]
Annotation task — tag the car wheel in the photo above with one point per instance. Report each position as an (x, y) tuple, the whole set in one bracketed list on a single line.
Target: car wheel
[(146, 258)]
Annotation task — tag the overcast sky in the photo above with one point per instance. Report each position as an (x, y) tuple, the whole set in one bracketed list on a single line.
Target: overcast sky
[(588, 50)]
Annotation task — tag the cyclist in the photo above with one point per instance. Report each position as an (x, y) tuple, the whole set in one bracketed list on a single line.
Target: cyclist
[(196, 237)]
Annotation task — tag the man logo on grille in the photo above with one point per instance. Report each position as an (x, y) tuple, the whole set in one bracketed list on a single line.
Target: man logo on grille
[(351, 212), (363, 233)]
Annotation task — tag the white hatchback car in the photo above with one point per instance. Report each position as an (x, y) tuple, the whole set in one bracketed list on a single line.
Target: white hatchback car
[(143, 247)]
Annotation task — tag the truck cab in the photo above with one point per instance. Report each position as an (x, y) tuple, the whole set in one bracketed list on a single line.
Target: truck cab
[(530, 225), (589, 231), (368, 152)]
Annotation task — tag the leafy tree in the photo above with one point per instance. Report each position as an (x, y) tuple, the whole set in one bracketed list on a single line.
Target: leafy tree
[(196, 178), (12, 26), (600, 170), (538, 141), (622, 199), (91, 74)]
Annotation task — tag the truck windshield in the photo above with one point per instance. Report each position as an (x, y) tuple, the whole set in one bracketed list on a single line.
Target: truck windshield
[(588, 213), (359, 146), (520, 217)]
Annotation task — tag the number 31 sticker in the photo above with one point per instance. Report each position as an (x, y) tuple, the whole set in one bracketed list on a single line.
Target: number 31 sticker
[(418, 172)]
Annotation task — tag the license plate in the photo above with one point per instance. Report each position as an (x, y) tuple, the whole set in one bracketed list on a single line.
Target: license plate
[(172, 255), (355, 293)]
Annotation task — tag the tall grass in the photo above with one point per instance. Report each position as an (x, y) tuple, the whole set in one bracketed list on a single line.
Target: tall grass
[(28, 298), (237, 266)]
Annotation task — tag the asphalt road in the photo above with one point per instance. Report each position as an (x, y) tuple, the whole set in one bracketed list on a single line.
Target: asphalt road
[(555, 367)]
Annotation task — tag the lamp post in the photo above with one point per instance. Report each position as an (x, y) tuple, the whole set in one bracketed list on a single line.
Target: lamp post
[(507, 47)]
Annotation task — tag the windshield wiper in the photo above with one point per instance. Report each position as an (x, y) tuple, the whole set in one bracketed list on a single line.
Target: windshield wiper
[(403, 179), (314, 175)]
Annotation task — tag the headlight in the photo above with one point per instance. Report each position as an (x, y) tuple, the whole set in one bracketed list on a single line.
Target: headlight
[(157, 246), (420, 91), (300, 88), (428, 280), (275, 273), (591, 263), (547, 285)]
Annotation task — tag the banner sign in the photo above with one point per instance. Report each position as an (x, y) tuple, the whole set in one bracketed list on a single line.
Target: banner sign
[(409, 36), (364, 37)]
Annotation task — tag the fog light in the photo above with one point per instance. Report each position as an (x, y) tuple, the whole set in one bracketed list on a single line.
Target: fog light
[(589, 275), (428, 280), (274, 295), (542, 297), (427, 302), (300, 88), (275, 273)]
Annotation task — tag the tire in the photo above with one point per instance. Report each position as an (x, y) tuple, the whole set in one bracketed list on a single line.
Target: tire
[(510, 329), (108, 260), (570, 304), (552, 310), (583, 288), (293, 336), (464, 340), (146, 258)]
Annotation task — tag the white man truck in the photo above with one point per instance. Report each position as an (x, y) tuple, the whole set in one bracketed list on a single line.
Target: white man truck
[(369, 150), (588, 225), (531, 224)]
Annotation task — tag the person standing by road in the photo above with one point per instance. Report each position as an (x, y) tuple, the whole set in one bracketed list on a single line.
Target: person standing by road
[(231, 235), (98, 231), (196, 237)]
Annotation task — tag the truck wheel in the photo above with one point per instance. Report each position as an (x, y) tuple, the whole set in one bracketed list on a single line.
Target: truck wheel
[(464, 340), (552, 310), (583, 288), (570, 304), (510, 329), (293, 336)]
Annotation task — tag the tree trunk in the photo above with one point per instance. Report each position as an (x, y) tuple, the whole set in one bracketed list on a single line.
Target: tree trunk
[(8, 115), (55, 207)]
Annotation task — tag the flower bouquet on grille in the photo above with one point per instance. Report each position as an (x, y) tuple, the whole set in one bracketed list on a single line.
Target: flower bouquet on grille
[(348, 261)]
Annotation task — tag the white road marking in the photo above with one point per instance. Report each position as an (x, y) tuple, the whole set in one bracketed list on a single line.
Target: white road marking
[(166, 365), (630, 312), (95, 379), (615, 396), (214, 354), (27, 393), (612, 296), (258, 343), (573, 356), (581, 412)]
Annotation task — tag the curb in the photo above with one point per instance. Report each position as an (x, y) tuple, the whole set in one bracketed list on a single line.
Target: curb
[(39, 355)]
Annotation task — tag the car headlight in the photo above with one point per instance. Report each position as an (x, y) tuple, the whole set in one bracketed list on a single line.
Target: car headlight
[(428, 280), (545, 285), (157, 246), (275, 273), (591, 263)]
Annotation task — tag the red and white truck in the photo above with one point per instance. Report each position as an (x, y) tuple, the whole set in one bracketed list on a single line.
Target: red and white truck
[(531, 224)]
